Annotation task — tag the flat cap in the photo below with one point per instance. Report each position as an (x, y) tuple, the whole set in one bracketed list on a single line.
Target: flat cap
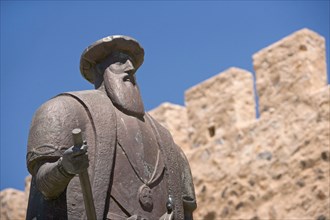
[(102, 48)]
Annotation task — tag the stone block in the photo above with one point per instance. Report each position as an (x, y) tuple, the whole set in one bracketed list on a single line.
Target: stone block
[(27, 187), (13, 204), (219, 103), (292, 67), (273, 168)]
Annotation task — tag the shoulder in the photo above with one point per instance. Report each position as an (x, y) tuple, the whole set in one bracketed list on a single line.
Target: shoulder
[(51, 127), (59, 113), (166, 138), (66, 104), (56, 106), (160, 129)]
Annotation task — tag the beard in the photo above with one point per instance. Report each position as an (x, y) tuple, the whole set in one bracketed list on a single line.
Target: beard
[(125, 95)]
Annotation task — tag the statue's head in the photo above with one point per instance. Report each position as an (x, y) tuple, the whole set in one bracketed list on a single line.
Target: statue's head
[(110, 64)]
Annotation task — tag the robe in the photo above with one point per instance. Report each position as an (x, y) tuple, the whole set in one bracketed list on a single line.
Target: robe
[(93, 112)]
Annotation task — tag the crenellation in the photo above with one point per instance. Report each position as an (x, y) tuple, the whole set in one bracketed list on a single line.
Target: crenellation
[(292, 67), (219, 103)]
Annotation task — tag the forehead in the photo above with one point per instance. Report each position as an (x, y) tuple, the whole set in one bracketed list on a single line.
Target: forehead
[(120, 56), (114, 57)]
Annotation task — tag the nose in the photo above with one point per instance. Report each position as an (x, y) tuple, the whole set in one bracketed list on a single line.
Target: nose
[(129, 66)]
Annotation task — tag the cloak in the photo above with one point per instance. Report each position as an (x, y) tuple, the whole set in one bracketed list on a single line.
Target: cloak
[(93, 112)]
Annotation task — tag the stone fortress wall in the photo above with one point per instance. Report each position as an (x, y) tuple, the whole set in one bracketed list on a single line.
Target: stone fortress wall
[(273, 167)]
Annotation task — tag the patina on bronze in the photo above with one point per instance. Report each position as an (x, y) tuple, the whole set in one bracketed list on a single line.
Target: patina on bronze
[(135, 169)]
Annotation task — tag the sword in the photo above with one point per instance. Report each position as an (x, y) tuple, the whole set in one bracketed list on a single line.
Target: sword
[(84, 179)]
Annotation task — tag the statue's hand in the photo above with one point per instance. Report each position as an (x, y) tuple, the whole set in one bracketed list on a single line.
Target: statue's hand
[(75, 159)]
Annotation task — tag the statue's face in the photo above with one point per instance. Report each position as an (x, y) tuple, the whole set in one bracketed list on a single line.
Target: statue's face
[(121, 86)]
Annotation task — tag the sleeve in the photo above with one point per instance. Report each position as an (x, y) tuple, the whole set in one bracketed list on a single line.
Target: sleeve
[(50, 131)]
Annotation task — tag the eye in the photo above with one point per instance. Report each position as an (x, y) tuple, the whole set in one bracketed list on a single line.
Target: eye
[(126, 78), (130, 72)]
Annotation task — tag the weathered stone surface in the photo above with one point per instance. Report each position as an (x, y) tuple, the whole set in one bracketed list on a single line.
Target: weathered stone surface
[(174, 118), (274, 168), (219, 103), (27, 187), (13, 204), (290, 68)]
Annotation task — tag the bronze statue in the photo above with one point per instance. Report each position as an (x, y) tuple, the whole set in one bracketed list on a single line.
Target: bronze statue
[(136, 171)]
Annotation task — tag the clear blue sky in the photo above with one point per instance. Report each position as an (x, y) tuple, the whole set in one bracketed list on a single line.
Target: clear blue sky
[(185, 43)]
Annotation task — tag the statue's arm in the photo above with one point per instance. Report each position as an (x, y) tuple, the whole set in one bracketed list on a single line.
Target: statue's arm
[(50, 157), (52, 179)]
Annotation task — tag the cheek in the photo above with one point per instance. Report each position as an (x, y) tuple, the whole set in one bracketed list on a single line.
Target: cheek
[(107, 79), (111, 80), (106, 76)]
